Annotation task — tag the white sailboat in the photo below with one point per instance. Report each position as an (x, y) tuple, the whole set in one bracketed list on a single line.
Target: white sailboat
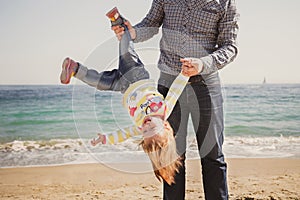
[(264, 81)]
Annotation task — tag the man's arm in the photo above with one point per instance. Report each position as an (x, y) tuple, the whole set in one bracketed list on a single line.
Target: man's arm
[(227, 51), (149, 26)]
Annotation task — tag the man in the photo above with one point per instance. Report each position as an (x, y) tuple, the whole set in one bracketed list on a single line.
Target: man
[(204, 32)]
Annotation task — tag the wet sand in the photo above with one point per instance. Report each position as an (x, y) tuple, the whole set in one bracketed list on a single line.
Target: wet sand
[(247, 179)]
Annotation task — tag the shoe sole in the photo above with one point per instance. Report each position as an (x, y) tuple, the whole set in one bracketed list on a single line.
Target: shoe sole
[(66, 74)]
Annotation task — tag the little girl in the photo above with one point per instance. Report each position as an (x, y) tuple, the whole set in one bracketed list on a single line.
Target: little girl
[(146, 106), (149, 112)]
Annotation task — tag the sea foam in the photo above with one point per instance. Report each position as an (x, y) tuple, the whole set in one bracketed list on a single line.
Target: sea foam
[(76, 151)]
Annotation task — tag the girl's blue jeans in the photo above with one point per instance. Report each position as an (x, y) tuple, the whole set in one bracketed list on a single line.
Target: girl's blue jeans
[(130, 70)]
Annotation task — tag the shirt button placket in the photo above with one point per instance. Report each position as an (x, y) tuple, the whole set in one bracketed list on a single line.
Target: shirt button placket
[(185, 28)]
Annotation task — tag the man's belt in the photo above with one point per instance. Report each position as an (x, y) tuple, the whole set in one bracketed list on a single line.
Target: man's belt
[(195, 79)]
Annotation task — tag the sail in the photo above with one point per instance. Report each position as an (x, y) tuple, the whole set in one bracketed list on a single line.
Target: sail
[(264, 81)]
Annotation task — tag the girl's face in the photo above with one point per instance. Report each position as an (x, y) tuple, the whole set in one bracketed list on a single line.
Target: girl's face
[(152, 125), (154, 128)]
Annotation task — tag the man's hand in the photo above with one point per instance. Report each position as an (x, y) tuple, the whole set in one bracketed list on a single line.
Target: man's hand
[(191, 66), (119, 30)]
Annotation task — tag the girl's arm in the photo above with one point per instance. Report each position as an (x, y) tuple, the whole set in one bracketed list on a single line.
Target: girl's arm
[(117, 136), (174, 92)]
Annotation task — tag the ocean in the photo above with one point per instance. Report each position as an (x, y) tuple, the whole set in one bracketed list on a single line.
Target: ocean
[(53, 124)]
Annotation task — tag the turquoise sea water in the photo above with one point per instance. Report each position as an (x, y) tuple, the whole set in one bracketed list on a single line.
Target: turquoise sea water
[(35, 119), (262, 110)]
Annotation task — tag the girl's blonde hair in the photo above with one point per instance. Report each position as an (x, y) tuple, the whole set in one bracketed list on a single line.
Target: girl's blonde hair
[(163, 155)]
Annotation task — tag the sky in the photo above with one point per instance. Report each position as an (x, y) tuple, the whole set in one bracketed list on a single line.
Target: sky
[(35, 37)]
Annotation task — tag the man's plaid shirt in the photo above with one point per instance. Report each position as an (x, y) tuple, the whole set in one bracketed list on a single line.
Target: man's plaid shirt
[(205, 29)]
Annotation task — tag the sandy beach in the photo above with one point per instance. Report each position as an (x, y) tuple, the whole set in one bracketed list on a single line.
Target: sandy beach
[(247, 179)]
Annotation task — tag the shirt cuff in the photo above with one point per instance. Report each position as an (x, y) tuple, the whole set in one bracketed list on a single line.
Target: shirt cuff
[(81, 72), (208, 65), (138, 32)]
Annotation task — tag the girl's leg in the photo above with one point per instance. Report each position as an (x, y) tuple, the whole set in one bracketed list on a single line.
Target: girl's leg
[(130, 66), (106, 80), (130, 70)]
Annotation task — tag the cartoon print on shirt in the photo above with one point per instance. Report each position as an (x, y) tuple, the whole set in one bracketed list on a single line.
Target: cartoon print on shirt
[(153, 104)]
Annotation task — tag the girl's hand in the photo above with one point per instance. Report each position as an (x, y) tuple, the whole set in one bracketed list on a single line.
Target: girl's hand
[(100, 139)]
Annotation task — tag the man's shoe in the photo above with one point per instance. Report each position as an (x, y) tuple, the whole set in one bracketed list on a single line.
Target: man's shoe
[(69, 68)]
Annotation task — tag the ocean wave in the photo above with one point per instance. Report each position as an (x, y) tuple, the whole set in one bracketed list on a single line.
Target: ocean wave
[(75, 151), (262, 147)]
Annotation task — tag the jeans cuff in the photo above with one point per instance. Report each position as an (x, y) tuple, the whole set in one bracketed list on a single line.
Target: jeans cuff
[(82, 71)]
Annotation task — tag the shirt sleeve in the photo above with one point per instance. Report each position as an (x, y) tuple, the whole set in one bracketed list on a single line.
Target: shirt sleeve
[(149, 26), (122, 135), (174, 92), (227, 51)]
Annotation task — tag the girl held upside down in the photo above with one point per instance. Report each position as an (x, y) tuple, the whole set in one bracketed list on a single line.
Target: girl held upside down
[(149, 112), (148, 109)]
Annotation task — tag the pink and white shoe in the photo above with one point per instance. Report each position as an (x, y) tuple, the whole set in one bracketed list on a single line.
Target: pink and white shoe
[(69, 67)]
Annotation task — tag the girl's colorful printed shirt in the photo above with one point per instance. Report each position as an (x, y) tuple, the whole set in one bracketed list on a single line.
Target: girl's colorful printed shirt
[(142, 99)]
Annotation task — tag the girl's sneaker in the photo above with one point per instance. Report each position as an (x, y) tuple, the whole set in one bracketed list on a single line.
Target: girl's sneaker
[(69, 68)]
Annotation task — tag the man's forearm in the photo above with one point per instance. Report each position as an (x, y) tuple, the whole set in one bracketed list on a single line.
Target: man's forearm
[(149, 26), (227, 44)]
